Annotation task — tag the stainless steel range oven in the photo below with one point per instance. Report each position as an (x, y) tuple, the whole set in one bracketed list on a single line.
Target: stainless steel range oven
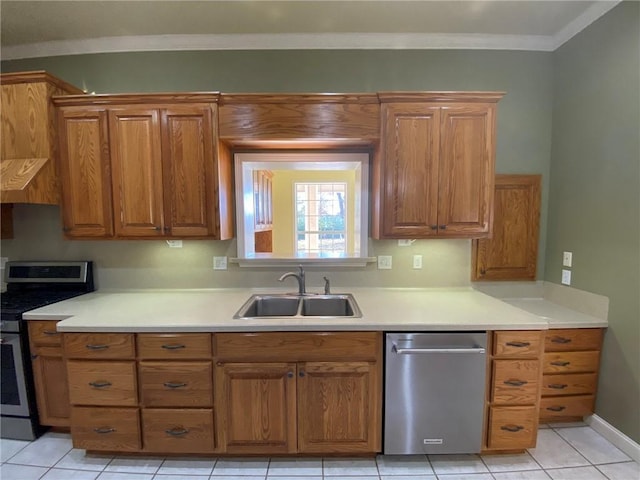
[(30, 285)]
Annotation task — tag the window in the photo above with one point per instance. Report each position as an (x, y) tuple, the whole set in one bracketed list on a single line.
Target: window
[(321, 219), (313, 207)]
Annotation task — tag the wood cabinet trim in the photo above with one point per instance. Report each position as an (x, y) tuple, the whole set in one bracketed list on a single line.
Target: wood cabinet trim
[(37, 77), (441, 96), (142, 99), (286, 98)]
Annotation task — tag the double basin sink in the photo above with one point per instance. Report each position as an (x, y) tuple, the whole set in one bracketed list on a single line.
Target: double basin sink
[(299, 306)]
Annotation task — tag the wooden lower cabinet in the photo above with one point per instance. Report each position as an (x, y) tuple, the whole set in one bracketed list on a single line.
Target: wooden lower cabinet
[(256, 407), (110, 429), (178, 430), (336, 402), (512, 427), (49, 373)]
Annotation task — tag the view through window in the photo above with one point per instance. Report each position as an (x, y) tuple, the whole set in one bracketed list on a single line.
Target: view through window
[(321, 218)]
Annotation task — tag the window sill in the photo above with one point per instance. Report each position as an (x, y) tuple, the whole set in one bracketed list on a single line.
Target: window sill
[(305, 262)]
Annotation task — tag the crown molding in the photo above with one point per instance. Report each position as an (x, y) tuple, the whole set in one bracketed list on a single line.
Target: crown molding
[(590, 15), (304, 41)]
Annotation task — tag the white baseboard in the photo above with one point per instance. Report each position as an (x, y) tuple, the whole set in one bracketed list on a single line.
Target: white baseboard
[(615, 436)]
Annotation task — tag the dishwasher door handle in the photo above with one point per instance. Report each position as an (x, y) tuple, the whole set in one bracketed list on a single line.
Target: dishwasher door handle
[(405, 351)]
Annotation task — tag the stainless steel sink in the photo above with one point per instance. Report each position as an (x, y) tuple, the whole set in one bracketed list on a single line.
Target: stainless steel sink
[(296, 306)]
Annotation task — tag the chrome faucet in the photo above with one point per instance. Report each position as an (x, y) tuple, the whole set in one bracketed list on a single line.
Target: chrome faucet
[(302, 289)]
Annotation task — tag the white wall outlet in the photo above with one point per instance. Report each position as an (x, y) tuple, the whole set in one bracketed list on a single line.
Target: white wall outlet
[(219, 263), (567, 259), (417, 262), (174, 243), (566, 277), (384, 262)]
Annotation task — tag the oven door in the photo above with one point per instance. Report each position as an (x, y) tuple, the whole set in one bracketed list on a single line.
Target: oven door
[(13, 391)]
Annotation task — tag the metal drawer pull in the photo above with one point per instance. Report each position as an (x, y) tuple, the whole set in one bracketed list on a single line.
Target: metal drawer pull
[(556, 408), (518, 344), (97, 347), (560, 363), (174, 346), (560, 340), (512, 428), (100, 384), (558, 386), (174, 385), (103, 430), (515, 383), (176, 432), (50, 332), (437, 350)]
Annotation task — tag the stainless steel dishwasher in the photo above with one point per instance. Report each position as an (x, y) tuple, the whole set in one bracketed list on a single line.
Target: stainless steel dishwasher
[(434, 392)]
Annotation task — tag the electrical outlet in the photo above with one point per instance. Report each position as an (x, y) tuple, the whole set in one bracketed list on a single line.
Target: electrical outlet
[(174, 243), (219, 263), (417, 262), (567, 259), (566, 277), (384, 262)]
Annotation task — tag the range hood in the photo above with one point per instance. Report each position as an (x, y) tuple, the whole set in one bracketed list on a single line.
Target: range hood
[(28, 180)]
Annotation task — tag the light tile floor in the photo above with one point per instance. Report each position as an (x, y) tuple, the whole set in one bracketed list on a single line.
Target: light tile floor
[(569, 452)]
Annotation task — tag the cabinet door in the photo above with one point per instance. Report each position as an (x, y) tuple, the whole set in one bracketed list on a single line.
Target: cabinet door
[(256, 407), (411, 136), (137, 172), (52, 392), (84, 173), (338, 407), (466, 172), (512, 251), (188, 166)]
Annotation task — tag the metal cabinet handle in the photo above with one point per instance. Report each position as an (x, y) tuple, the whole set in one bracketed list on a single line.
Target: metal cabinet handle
[(515, 383), (560, 363), (100, 384), (97, 347), (290, 374), (175, 346), (103, 430), (176, 431), (157, 229), (512, 428), (560, 340), (50, 332), (443, 227), (433, 227), (518, 344), (301, 373), (483, 271), (174, 385), (558, 386), (556, 408)]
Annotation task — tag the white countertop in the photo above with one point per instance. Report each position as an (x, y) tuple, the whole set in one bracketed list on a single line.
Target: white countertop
[(556, 315), (212, 311)]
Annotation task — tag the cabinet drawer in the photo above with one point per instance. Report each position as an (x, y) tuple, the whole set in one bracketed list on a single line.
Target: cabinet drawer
[(515, 381), (577, 406), (175, 384), (571, 384), (512, 427), (111, 429), (570, 362), (178, 430), (102, 383), (99, 345), (293, 347), (573, 339), (152, 346), (42, 333), (517, 344)]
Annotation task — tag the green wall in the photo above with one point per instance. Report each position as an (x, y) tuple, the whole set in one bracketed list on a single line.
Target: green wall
[(594, 202), (524, 114)]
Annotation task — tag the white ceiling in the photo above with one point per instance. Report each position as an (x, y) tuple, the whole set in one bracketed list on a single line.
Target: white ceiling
[(49, 28)]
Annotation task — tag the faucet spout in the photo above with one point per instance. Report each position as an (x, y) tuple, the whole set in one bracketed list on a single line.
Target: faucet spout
[(302, 289)]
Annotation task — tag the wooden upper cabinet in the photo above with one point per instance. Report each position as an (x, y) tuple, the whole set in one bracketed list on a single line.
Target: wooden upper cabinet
[(434, 174), (187, 145), (150, 166), (512, 252), (411, 152), (85, 173), (137, 171)]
